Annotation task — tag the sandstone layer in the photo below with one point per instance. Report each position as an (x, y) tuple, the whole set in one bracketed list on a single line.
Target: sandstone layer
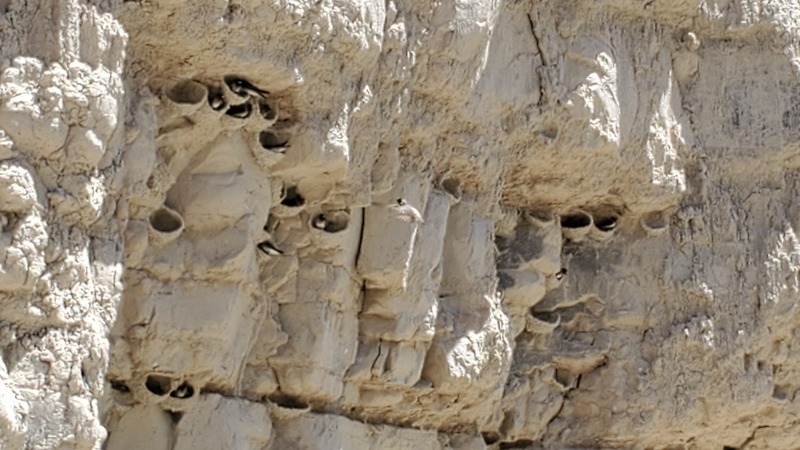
[(199, 249)]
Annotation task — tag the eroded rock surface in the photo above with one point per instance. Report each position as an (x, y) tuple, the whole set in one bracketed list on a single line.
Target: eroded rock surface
[(201, 250)]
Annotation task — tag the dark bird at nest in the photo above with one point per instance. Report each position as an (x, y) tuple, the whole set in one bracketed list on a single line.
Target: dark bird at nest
[(406, 212), (243, 88), (269, 248)]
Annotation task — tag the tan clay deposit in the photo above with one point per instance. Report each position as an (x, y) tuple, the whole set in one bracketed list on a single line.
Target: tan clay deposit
[(202, 248)]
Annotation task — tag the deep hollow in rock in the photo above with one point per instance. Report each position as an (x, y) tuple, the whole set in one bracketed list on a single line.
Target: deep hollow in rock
[(271, 140), (166, 220), (119, 386), (606, 222), (292, 197), (185, 390), (158, 384), (331, 222), (576, 220), (267, 110), (187, 92)]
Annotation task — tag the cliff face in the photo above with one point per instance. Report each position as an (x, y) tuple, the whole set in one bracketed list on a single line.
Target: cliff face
[(199, 249)]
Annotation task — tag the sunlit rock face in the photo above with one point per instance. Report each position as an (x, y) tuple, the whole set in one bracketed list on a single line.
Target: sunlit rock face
[(62, 134), (466, 225)]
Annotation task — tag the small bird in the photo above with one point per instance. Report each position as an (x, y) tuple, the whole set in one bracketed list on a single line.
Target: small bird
[(243, 88), (320, 222), (241, 111), (269, 248), (216, 101), (406, 212), (560, 274), (182, 391)]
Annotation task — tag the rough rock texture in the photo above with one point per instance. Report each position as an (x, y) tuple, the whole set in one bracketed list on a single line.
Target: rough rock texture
[(200, 250)]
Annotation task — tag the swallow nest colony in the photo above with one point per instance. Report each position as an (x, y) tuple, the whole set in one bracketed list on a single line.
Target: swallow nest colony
[(399, 224)]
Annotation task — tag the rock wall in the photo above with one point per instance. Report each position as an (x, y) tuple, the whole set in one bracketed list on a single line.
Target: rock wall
[(200, 249)]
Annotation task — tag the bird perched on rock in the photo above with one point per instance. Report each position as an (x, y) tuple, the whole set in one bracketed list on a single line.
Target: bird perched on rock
[(243, 88), (182, 391), (320, 222), (406, 212), (240, 111), (269, 248), (216, 101)]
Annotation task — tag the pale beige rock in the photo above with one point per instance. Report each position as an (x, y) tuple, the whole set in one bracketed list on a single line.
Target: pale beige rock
[(529, 403), (142, 427), (314, 360), (472, 348), (12, 417), (387, 263), (609, 257), (219, 422), (220, 331), (61, 274), (321, 430), (382, 363)]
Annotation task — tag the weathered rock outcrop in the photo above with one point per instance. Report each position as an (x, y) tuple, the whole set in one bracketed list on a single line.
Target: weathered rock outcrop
[(200, 249)]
